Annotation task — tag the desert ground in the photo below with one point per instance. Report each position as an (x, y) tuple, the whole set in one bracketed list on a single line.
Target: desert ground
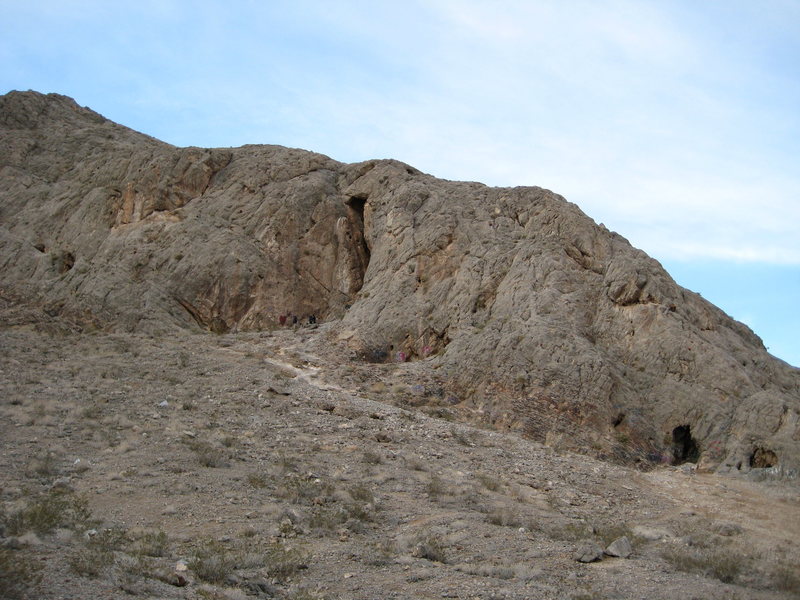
[(244, 465)]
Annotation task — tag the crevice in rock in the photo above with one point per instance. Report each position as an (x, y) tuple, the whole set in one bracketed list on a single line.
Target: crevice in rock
[(361, 250), (761, 458), (684, 448)]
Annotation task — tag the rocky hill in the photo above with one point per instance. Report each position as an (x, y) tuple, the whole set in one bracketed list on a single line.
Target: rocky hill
[(510, 306)]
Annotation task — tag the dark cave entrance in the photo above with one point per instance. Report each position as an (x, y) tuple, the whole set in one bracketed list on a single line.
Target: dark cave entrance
[(761, 458), (684, 448)]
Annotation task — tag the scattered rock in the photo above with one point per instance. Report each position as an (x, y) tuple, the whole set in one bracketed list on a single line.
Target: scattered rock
[(588, 551), (651, 534), (620, 547), (29, 539)]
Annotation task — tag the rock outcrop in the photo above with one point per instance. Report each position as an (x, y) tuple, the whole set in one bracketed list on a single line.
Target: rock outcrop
[(535, 317)]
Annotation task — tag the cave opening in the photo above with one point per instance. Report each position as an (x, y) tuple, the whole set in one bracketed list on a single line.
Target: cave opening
[(761, 458), (684, 448)]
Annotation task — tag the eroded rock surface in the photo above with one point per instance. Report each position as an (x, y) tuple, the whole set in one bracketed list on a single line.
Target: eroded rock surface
[(532, 316)]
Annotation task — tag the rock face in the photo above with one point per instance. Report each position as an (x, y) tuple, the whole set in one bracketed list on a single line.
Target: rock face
[(535, 317)]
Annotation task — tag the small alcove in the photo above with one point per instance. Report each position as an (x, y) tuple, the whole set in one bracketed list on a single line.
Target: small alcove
[(684, 448)]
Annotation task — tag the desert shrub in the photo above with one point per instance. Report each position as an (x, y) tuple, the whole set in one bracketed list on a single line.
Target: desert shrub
[(484, 570), (154, 544), (721, 564), (282, 562), (301, 490), (372, 458), (46, 465), (504, 517), (609, 533), (97, 554), (212, 562), (208, 455), (416, 464), (568, 532), (431, 548), (462, 438), (90, 560), (47, 512), (436, 487), (361, 493), (257, 480), (352, 516), (18, 574), (382, 553), (489, 482), (787, 579)]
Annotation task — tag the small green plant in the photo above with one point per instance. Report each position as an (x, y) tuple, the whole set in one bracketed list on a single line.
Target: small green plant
[(48, 512), (623, 438)]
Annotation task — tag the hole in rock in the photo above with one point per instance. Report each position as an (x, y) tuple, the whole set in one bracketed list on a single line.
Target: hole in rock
[(763, 459), (684, 448)]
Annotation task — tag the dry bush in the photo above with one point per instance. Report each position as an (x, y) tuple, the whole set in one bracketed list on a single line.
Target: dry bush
[(436, 487), (155, 544), (720, 564), (212, 562), (208, 455), (490, 483), (431, 548), (504, 517), (257, 480)]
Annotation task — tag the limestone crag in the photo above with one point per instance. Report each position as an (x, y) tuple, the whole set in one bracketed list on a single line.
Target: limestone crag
[(533, 316)]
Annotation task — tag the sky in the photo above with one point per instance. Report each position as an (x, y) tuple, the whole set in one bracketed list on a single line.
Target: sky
[(675, 123)]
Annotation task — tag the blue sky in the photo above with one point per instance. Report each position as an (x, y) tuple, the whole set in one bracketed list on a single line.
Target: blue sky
[(674, 122)]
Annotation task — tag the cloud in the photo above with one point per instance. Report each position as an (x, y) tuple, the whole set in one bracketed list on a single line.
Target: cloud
[(674, 123)]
